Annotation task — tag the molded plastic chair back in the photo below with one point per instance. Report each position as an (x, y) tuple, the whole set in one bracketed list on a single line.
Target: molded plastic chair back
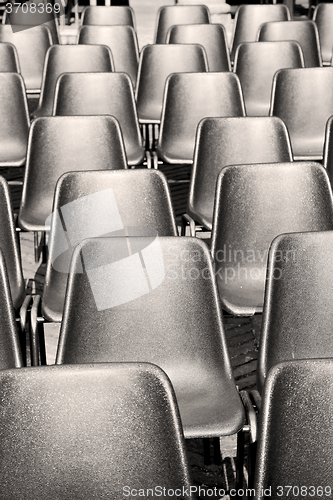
[(188, 98), (8, 58), (303, 99), (23, 21), (298, 312), (157, 62), (323, 17), (132, 202), (211, 36), (63, 144), (121, 40), (254, 204), (231, 141), (31, 45), (170, 15), (249, 18), (92, 430), (304, 32), (70, 58), (76, 95), (295, 438), (172, 320), (105, 15), (15, 121), (328, 149), (256, 64)]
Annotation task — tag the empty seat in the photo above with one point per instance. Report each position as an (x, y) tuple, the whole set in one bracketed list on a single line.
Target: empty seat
[(121, 40), (211, 36), (21, 19), (249, 18), (102, 430), (303, 32), (8, 58), (62, 144), (254, 204), (230, 141), (170, 15), (328, 149), (256, 64), (323, 17), (75, 58), (302, 98), (104, 15)]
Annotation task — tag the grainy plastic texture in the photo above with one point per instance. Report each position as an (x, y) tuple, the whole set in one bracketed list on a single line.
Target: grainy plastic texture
[(170, 15), (323, 17), (90, 431), (254, 204), (103, 15), (8, 58)]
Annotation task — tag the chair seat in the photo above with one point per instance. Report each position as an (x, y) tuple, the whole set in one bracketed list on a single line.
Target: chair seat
[(241, 297), (12, 152)]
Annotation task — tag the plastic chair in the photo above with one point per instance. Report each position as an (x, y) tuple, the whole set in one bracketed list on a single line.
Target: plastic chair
[(14, 120), (188, 98), (22, 21), (76, 94), (75, 58), (256, 64), (229, 141), (303, 32), (249, 18), (31, 45), (328, 149), (302, 98), (62, 144), (323, 17), (102, 15), (211, 36), (121, 40), (94, 430), (297, 308), (8, 58), (170, 15), (254, 204)]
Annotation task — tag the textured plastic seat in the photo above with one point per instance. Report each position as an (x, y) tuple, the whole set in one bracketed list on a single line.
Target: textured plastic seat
[(303, 32), (254, 204), (103, 15), (157, 62), (231, 141), (249, 18), (297, 314), (121, 40), (75, 58), (323, 17), (256, 64), (170, 15), (76, 95), (189, 97), (31, 45), (94, 430), (211, 36), (14, 120), (8, 58), (23, 21), (173, 320), (62, 144), (302, 98), (295, 438)]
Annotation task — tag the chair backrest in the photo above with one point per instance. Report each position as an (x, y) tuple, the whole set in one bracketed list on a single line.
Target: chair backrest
[(323, 17), (166, 312), (86, 427), (298, 312), (295, 440), (231, 141), (188, 98), (121, 40), (15, 121), (157, 62), (256, 64), (211, 36), (169, 15), (254, 204), (91, 204), (304, 32), (76, 94), (328, 150), (31, 45), (22, 19), (302, 98), (63, 144), (75, 58), (105, 15), (249, 18), (9, 61)]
